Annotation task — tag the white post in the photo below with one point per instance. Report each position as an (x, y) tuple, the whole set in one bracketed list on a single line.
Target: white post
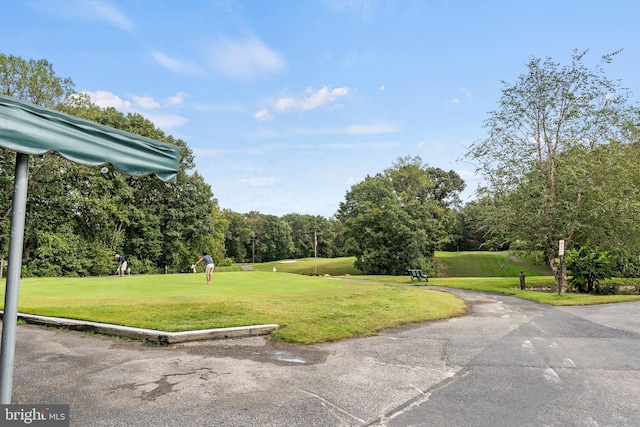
[(315, 252)]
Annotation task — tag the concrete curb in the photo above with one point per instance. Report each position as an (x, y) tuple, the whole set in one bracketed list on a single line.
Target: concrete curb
[(149, 335)]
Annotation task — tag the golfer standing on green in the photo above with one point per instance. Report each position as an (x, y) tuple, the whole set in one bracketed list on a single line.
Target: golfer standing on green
[(122, 264), (208, 262)]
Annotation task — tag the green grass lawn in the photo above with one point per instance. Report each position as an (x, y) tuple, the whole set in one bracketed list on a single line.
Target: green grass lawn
[(480, 264), (308, 309)]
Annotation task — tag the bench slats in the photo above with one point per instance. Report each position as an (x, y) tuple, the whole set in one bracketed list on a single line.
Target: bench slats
[(415, 273)]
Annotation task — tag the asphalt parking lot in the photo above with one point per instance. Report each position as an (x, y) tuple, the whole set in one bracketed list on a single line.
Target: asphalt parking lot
[(509, 362)]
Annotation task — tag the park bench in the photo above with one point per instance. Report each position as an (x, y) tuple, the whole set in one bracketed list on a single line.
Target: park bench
[(418, 274)]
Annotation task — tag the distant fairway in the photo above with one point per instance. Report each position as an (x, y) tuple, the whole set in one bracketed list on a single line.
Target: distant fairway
[(309, 266)]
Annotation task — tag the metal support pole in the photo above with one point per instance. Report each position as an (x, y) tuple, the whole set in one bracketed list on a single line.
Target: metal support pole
[(10, 317)]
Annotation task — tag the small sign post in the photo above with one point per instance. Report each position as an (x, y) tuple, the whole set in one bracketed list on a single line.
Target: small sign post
[(561, 255)]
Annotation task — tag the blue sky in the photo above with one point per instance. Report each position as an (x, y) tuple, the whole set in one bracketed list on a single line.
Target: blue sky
[(287, 104)]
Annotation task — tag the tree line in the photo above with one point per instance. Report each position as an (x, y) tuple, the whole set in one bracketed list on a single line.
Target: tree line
[(79, 216), (560, 162), (390, 222)]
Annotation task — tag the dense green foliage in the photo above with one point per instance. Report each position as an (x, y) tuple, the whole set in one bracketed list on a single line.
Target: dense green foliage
[(588, 269), (33, 80), (547, 156), (396, 220), (78, 217)]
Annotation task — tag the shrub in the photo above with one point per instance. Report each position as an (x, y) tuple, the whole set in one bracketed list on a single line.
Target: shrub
[(588, 268), (141, 267)]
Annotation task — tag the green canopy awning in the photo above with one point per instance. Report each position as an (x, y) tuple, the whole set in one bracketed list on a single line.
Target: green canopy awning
[(31, 129)]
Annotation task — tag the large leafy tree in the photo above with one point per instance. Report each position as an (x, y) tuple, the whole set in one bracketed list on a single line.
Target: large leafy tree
[(537, 155), (237, 236), (479, 227), (396, 220), (35, 81), (304, 231), (270, 238), (79, 216), (608, 222)]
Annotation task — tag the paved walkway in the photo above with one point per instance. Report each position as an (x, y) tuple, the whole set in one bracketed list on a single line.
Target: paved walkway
[(508, 363)]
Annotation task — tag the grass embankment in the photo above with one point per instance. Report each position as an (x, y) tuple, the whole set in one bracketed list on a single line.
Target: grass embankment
[(483, 264), (309, 309), (451, 264)]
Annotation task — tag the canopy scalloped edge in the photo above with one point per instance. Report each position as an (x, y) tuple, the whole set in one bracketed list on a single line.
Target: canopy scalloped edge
[(30, 129)]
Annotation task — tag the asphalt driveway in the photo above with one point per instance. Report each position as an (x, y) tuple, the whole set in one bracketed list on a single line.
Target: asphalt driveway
[(508, 363)]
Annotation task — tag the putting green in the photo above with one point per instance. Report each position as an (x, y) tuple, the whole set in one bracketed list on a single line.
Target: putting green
[(235, 283), (307, 308)]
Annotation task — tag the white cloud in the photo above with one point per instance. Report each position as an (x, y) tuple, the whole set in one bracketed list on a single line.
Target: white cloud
[(464, 92), (262, 115), (105, 99), (311, 100), (104, 11), (165, 122), (85, 10), (247, 59), (382, 88), (146, 102), (140, 105), (268, 181), (176, 99), (175, 65), (366, 129)]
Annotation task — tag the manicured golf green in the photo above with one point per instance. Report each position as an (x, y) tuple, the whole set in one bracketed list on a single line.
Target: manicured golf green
[(309, 309)]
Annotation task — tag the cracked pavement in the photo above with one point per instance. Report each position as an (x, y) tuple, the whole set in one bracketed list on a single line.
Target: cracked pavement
[(509, 362)]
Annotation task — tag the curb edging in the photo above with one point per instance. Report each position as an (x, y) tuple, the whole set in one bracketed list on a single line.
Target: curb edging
[(149, 335)]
